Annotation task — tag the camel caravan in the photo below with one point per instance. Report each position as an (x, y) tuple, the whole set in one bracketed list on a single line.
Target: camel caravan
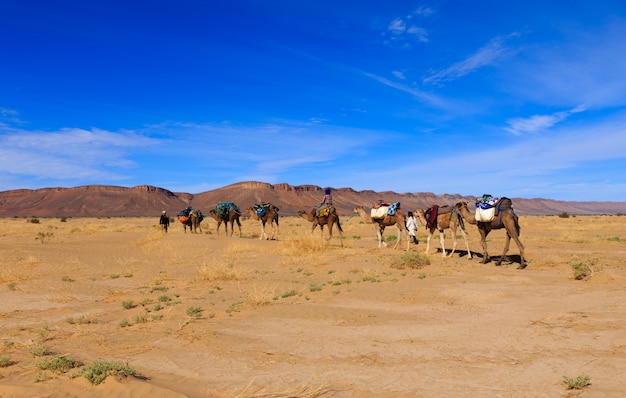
[(490, 213)]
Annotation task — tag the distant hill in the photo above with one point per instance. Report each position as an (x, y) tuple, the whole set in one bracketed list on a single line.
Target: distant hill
[(146, 200)]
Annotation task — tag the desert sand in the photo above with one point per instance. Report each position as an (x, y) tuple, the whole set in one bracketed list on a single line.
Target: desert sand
[(202, 315)]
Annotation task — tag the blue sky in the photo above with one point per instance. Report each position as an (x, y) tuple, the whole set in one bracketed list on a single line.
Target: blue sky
[(519, 99)]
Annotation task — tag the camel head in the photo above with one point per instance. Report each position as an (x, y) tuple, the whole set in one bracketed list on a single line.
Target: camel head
[(461, 204), (421, 216)]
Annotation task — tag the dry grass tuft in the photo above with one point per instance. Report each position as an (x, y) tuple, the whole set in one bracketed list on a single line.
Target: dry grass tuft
[(298, 245), (218, 270), (256, 296)]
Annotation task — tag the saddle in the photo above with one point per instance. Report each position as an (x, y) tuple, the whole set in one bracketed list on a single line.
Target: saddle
[(489, 207), (325, 211), (431, 216), (223, 208), (261, 209)]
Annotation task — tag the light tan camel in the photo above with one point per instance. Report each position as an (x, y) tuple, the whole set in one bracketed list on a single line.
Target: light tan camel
[(232, 217), (193, 221), (270, 215), (398, 219), (446, 219), (505, 219), (330, 219)]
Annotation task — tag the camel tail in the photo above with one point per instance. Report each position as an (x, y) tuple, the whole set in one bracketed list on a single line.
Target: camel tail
[(339, 224)]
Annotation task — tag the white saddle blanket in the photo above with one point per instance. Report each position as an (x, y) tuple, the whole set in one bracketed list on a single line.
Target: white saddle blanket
[(380, 212), (484, 215)]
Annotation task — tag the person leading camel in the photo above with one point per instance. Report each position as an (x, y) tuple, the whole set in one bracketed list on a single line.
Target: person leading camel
[(164, 221), (411, 226)]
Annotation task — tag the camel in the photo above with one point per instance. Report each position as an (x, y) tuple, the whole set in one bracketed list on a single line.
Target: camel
[(193, 221), (398, 219), (271, 215), (446, 219), (505, 219), (230, 215), (330, 219)]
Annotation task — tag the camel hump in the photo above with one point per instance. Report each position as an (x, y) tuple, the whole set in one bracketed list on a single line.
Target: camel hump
[(444, 209), (504, 203)]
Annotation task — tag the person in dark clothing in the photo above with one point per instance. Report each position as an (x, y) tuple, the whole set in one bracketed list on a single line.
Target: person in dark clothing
[(164, 221)]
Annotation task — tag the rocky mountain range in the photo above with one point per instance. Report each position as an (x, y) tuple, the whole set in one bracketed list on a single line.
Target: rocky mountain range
[(146, 200)]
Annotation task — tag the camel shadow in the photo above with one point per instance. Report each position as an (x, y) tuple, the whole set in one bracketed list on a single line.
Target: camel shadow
[(510, 259), (461, 253)]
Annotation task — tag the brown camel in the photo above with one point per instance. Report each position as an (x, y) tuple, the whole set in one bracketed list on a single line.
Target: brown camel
[(228, 213), (398, 219), (505, 219), (270, 214), (330, 219), (447, 218), (193, 221)]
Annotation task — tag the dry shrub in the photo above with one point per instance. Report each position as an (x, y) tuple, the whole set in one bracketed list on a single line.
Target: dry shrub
[(219, 271), (11, 277), (256, 296), (234, 249), (298, 245)]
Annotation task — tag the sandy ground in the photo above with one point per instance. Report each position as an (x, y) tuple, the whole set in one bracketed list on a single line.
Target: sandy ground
[(201, 315)]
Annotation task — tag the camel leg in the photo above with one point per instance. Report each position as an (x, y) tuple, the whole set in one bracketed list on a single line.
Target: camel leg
[(469, 253), (430, 235), (483, 242), (522, 262), (381, 241), (506, 248), (453, 242), (239, 226), (399, 238), (336, 220), (443, 244), (263, 234)]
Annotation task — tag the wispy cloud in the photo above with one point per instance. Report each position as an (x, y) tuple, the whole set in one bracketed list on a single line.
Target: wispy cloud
[(538, 123), (67, 153), (558, 166), (404, 30), (585, 66), (490, 54), (423, 96)]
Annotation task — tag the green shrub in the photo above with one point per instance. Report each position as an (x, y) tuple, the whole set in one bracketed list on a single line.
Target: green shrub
[(5, 361), (583, 269), (128, 304), (577, 383), (58, 364), (39, 350), (194, 312), (96, 372)]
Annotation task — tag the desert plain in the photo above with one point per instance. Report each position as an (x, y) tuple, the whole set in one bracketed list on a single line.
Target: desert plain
[(202, 315)]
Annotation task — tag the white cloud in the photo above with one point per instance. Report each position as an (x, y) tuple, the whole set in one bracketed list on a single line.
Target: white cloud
[(490, 54), (417, 93), (397, 26), (538, 123), (67, 153)]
